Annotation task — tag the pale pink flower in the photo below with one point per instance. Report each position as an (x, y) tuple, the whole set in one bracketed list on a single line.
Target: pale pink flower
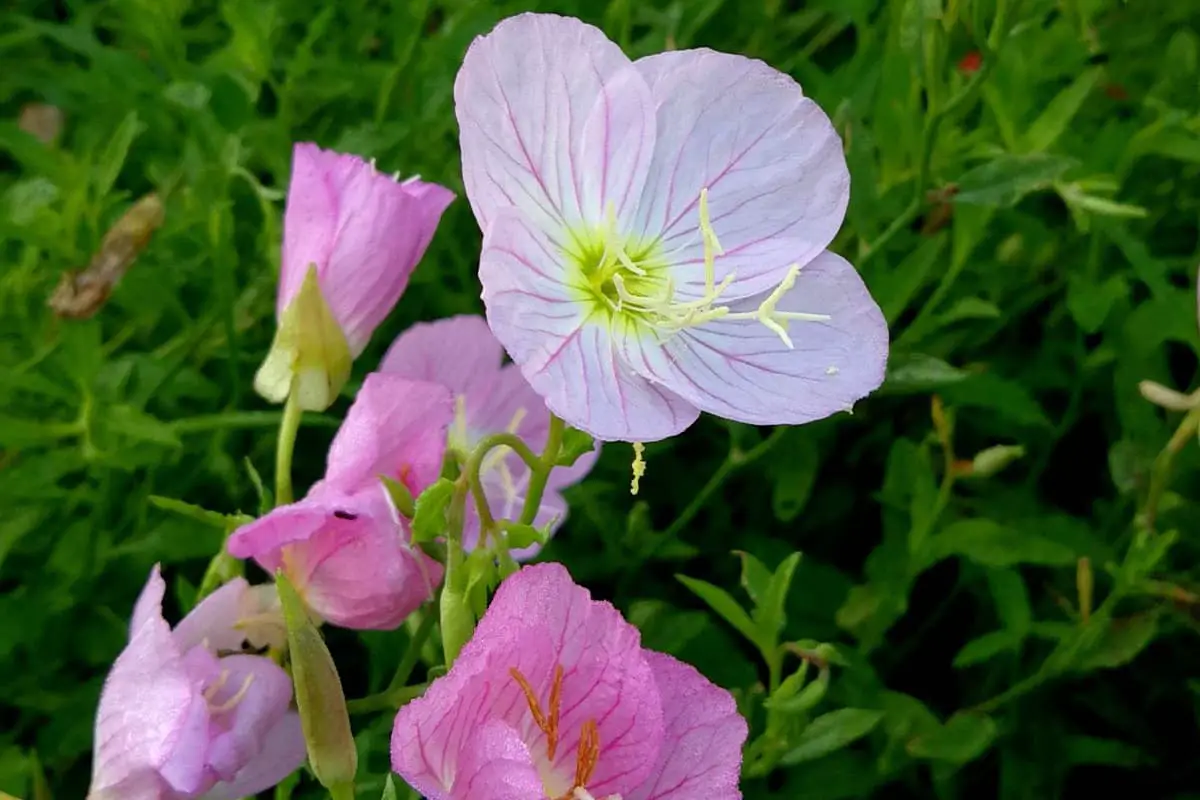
[(361, 233), (554, 697), (652, 227), (345, 547), (461, 354), (188, 714)]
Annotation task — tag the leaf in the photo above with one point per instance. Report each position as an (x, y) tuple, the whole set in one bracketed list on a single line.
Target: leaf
[(720, 601), (793, 474), (991, 544), (519, 536), (968, 308), (832, 731), (1006, 398), (115, 153), (1011, 599), (225, 522), (964, 737), (429, 518), (1089, 302), (1057, 116), (917, 373), (389, 789), (895, 288), (129, 421), (1003, 182), (575, 443), (987, 647), (803, 700), (755, 576), (1120, 643), (1092, 750), (769, 615)]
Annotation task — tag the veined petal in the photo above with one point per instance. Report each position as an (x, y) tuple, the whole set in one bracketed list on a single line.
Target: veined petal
[(771, 160), (523, 98), (254, 693), (396, 427), (741, 370), (618, 145), (701, 757), (496, 765), (567, 355), (458, 352)]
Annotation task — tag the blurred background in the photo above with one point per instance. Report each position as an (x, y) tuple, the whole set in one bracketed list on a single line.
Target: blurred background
[(1021, 624)]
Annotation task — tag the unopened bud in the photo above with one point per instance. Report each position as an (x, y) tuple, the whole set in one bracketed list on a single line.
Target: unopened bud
[(991, 460), (319, 697), (1168, 398)]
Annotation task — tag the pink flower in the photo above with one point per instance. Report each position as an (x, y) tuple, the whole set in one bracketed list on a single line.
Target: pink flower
[(554, 697), (186, 713), (461, 354), (360, 234), (345, 547), (651, 228)]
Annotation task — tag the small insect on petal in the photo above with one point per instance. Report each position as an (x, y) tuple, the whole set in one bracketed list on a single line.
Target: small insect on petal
[(79, 295)]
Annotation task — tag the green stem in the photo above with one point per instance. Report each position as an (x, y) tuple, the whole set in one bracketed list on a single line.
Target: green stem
[(413, 654), (732, 463), (288, 426), (1160, 474), (539, 476), (391, 700), (241, 419)]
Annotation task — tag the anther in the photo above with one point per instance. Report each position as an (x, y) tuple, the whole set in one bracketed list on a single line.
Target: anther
[(237, 698), (639, 467), (547, 725)]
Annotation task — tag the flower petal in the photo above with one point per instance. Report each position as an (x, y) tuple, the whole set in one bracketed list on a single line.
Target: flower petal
[(539, 620), (701, 757), (365, 232), (566, 354), (348, 555), (282, 754), (259, 692), (214, 620), (458, 352), (523, 98), (396, 427), (742, 371), (777, 179), (496, 766), (151, 717)]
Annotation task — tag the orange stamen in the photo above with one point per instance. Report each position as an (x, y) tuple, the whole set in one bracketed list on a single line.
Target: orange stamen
[(547, 725), (587, 755)]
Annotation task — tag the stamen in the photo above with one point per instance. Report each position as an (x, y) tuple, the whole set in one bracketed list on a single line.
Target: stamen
[(639, 467), (588, 753), (237, 698), (547, 725), (211, 690)]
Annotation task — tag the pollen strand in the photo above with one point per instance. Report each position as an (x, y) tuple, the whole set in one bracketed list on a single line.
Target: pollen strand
[(547, 725)]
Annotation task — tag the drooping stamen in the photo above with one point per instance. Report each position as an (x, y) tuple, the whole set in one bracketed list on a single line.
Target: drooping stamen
[(546, 724), (587, 755), (639, 467)]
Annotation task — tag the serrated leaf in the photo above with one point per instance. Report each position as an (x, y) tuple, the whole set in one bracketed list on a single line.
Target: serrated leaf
[(575, 443), (832, 731), (429, 516), (991, 544), (964, 737), (721, 602)]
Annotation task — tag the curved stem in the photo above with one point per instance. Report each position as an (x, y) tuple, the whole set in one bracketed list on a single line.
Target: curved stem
[(539, 476), (286, 444), (1161, 472)]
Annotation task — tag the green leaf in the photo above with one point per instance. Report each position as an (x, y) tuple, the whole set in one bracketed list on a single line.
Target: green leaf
[(987, 647), (1120, 643), (389, 789), (917, 373), (832, 731), (895, 288), (1092, 750), (1011, 599), (720, 601), (800, 701), (115, 153), (1089, 301), (964, 737), (1003, 182), (225, 522), (429, 518), (401, 497), (1057, 116), (575, 443), (793, 474), (991, 544), (129, 421), (519, 536), (1006, 398), (769, 616), (265, 499), (756, 578)]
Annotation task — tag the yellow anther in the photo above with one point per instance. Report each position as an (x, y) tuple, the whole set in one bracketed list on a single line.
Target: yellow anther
[(639, 467)]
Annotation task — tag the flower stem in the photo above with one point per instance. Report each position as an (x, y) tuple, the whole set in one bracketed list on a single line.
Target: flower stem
[(288, 426), (539, 476), (1161, 472)]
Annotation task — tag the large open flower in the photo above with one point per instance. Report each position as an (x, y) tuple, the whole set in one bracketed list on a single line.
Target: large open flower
[(651, 228), (554, 697)]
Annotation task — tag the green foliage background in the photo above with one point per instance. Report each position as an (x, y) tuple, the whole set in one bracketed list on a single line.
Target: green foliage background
[(969, 661)]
